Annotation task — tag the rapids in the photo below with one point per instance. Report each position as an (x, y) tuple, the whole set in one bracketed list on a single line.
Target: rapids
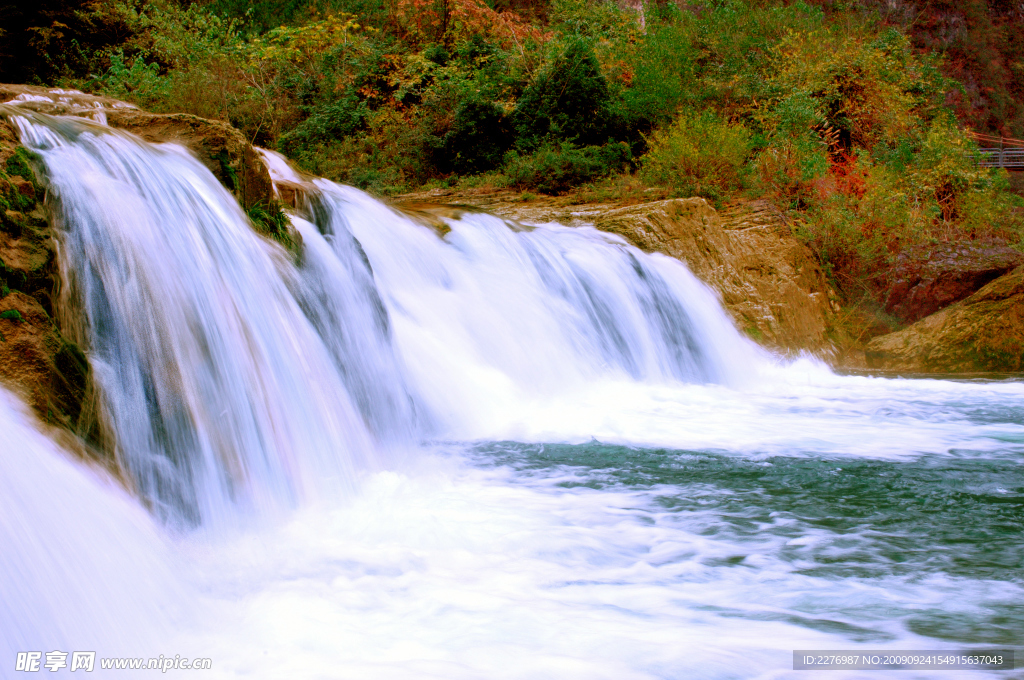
[(507, 451)]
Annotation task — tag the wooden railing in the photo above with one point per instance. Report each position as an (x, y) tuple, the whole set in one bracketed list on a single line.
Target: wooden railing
[(999, 152)]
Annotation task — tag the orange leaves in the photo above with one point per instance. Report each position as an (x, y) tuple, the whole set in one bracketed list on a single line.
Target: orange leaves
[(449, 20), (619, 71), (850, 179), (367, 92)]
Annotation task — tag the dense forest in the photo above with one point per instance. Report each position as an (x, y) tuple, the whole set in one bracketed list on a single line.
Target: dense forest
[(853, 117)]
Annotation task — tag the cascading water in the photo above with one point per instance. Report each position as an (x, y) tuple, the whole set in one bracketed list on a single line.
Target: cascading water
[(511, 451), (82, 565), (495, 315), (215, 389), (227, 374)]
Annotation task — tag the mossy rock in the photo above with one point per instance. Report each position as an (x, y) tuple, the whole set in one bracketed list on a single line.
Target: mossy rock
[(36, 360), (984, 333)]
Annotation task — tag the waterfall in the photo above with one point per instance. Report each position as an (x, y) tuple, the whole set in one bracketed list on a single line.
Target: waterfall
[(493, 314), (215, 388), (232, 373), (469, 449)]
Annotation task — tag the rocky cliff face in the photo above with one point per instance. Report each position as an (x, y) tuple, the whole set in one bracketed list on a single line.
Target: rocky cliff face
[(35, 359), (984, 332), (926, 279)]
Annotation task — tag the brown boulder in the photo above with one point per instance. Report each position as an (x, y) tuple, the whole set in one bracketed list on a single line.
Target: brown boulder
[(926, 279), (984, 332)]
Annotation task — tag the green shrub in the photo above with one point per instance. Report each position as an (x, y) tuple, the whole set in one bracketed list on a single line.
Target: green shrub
[(269, 219), (556, 169), (568, 101), (389, 157), (12, 315), (261, 15), (140, 81), (699, 154), (328, 122), (944, 169), (436, 54), (595, 20), (661, 75), (477, 140)]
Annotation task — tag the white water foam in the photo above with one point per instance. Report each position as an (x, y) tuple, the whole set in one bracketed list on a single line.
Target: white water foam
[(445, 570), (82, 566), (461, 573)]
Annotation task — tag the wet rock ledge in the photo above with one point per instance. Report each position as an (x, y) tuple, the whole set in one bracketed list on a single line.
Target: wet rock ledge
[(36, 360)]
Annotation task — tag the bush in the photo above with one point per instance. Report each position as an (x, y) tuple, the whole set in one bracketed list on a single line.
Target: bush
[(262, 15), (477, 140), (834, 232), (388, 158), (556, 169), (568, 101), (45, 42), (788, 169), (328, 122), (139, 82), (269, 219), (868, 89), (699, 154)]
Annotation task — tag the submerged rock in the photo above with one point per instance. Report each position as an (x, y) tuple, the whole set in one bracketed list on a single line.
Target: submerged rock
[(984, 332)]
